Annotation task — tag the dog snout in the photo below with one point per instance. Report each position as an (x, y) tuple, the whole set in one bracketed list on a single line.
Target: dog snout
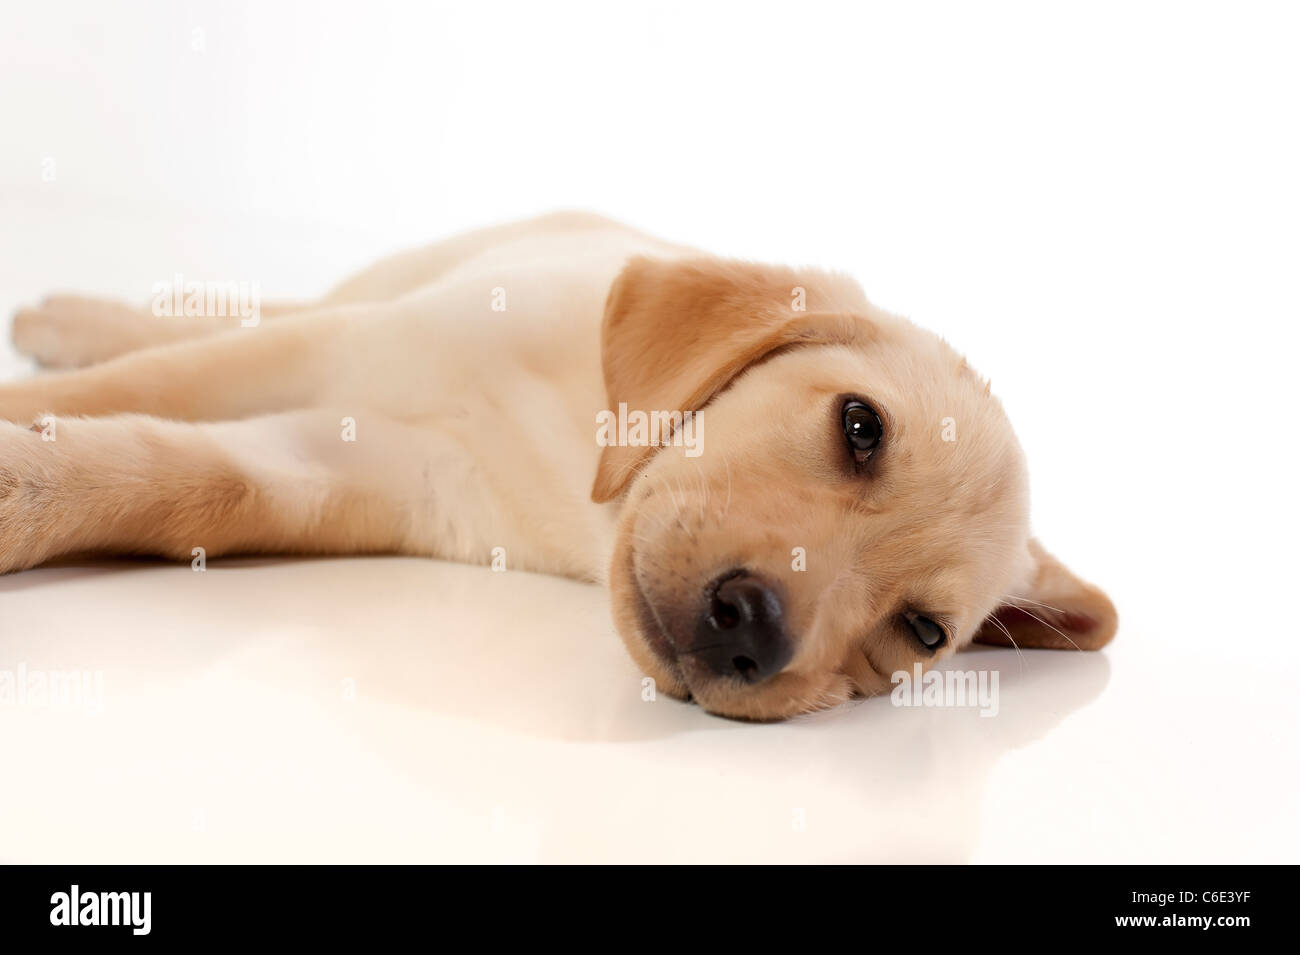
[(742, 633)]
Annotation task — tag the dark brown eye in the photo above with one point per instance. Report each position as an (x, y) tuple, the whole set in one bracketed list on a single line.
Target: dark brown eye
[(862, 428), (929, 633)]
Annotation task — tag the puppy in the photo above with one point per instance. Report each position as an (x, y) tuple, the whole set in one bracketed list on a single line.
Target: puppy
[(790, 493)]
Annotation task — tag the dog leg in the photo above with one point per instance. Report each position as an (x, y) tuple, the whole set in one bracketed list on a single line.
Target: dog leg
[(133, 484), (251, 371), (73, 331)]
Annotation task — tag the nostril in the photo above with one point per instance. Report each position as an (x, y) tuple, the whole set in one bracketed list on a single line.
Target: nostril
[(722, 615), (725, 607), (745, 667)]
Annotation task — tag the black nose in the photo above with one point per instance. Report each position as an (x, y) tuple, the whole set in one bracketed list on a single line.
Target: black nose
[(742, 633)]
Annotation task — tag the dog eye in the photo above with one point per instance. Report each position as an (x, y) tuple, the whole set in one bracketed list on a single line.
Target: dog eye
[(862, 428), (927, 631)]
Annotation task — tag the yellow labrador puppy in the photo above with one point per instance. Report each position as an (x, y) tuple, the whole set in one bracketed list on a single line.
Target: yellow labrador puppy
[(790, 494)]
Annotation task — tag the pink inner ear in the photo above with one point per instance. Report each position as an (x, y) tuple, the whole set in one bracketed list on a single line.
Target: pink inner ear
[(1064, 620)]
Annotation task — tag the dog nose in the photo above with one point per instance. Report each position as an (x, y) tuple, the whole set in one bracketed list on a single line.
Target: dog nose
[(743, 631)]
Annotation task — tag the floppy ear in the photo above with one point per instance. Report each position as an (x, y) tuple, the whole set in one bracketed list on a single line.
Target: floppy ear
[(676, 332), (1053, 610)]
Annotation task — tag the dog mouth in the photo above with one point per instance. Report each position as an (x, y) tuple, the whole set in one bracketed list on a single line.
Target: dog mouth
[(652, 631)]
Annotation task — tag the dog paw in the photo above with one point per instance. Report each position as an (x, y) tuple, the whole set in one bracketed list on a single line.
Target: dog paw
[(25, 493), (38, 336), (72, 331)]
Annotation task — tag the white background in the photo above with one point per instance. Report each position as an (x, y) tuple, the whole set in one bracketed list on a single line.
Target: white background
[(1097, 202)]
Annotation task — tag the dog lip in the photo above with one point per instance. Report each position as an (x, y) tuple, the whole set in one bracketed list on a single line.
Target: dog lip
[(660, 644)]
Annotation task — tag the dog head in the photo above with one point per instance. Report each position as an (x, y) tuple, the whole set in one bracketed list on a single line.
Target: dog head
[(815, 494)]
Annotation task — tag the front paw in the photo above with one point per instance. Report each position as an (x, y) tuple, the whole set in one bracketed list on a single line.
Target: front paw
[(30, 497), (69, 331)]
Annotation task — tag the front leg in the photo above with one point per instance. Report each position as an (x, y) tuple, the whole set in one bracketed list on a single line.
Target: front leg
[(271, 368), (132, 484), (73, 331)]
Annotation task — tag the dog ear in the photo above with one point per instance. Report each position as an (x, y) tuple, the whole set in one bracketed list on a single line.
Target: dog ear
[(676, 332), (1053, 610)]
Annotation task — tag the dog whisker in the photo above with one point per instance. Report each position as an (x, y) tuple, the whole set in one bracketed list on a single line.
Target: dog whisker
[(1047, 625), (1036, 603), (1003, 627), (665, 486), (660, 521)]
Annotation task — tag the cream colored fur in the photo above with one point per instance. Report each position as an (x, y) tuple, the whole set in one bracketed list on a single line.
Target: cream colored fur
[(475, 431)]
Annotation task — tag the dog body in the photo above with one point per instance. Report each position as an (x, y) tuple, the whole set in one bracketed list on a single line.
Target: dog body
[(471, 370), (447, 402)]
